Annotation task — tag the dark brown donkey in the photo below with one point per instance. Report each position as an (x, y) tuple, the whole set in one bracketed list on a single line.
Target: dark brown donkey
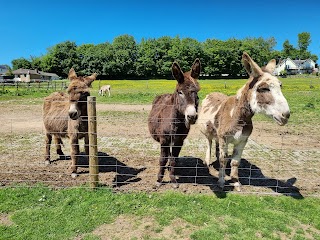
[(65, 115), (171, 116)]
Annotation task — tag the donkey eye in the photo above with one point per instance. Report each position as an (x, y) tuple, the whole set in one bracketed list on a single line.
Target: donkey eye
[(180, 92), (264, 89)]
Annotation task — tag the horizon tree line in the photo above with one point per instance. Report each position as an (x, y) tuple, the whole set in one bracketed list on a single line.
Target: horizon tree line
[(124, 58)]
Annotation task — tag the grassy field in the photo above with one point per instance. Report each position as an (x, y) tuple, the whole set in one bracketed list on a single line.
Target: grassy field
[(43, 213)]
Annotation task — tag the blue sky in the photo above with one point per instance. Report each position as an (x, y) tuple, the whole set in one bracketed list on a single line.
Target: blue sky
[(29, 28)]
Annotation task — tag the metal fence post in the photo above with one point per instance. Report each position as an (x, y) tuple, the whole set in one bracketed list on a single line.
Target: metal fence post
[(93, 148)]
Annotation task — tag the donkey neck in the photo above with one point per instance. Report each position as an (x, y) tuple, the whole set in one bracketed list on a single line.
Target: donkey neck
[(243, 109)]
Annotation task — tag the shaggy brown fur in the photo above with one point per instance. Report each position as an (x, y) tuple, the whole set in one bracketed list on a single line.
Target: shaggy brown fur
[(227, 120), (65, 115), (171, 115)]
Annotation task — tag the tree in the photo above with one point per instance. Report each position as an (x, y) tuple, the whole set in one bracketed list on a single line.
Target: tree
[(163, 60), (304, 41), (61, 58), (124, 55), (20, 63), (36, 63), (145, 64), (289, 50), (185, 51)]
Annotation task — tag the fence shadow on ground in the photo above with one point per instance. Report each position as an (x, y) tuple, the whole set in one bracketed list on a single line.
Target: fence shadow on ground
[(124, 173), (193, 170)]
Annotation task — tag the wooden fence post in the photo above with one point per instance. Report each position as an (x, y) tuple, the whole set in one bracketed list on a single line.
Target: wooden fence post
[(93, 148)]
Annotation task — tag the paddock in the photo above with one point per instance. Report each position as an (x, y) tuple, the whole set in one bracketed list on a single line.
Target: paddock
[(277, 160)]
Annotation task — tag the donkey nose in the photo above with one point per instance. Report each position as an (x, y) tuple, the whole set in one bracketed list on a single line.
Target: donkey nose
[(286, 115), (73, 115), (192, 118)]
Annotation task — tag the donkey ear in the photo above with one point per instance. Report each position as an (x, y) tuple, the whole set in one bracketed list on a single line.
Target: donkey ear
[(177, 72), (196, 69), (72, 74), (88, 80), (270, 66), (251, 67)]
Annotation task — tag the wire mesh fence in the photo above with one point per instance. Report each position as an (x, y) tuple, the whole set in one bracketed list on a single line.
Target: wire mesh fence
[(276, 160)]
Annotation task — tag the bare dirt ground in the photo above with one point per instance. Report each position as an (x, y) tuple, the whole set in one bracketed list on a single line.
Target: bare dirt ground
[(281, 160)]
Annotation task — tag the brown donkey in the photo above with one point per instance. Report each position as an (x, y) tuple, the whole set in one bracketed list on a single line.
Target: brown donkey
[(227, 120), (172, 114), (65, 115)]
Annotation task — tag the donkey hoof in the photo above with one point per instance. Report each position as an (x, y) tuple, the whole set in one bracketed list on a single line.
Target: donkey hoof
[(175, 185), (47, 162), (237, 187), (221, 184), (74, 175), (157, 185)]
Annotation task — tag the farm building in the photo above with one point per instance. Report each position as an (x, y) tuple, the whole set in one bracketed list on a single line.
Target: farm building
[(295, 66), (3, 70), (29, 75)]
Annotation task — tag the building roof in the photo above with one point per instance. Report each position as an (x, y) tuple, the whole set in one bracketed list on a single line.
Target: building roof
[(34, 72), (3, 67)]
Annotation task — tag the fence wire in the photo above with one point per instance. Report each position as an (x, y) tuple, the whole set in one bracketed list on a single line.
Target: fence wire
[(276, 160)]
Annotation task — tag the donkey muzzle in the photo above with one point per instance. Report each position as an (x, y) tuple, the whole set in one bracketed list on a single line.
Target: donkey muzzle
[(283, 119), (192, 119), (74, 112), (191, 114)]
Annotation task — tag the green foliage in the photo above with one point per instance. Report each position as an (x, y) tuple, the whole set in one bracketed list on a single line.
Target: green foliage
[(61, 58), (304, 40), (301, 52), (152, 58), (67, 213), (283, 73), (21, 63)]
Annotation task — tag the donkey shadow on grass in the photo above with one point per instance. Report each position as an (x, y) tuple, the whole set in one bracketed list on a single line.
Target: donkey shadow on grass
[(193, 170), (124, 173)]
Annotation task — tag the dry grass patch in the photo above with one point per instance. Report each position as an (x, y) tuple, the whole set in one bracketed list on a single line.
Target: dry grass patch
[(134, 227)]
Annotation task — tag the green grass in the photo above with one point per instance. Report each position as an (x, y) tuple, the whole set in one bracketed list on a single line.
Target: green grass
[(41, 213), (302, 93)]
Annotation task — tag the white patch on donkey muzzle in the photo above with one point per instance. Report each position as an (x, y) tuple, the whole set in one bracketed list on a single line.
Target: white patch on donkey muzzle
[(191, 115), (74, 112)]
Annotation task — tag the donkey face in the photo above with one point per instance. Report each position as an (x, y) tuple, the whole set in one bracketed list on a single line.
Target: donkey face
[(187, 91), (78, 91), (266, 95)]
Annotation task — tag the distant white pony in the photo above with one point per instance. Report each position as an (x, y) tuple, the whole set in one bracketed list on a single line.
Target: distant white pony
[(104, 89)]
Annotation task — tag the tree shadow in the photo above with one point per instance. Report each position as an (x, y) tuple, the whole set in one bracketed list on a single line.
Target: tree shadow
[(124, 173)]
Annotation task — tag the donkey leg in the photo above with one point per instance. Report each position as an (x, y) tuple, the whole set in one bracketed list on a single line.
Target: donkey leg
[(86, 144), (217, 150), (223, 158), (75, 151), (235, 162), (164, 155), (58, 142), (208, 152), (175, 154), (48, 145)]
